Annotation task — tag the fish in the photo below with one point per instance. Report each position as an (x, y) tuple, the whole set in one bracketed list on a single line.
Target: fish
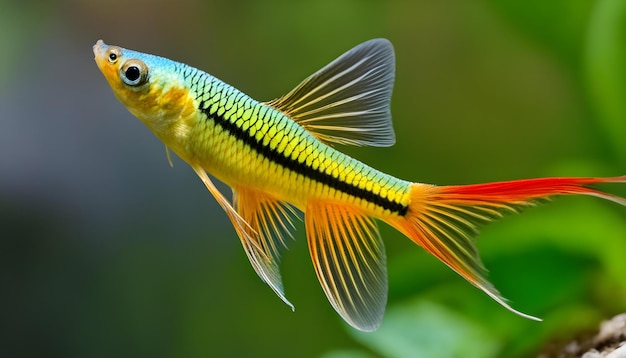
[(280, 159)]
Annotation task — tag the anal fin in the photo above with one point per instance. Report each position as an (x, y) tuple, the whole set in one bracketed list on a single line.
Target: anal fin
[(349, 259)]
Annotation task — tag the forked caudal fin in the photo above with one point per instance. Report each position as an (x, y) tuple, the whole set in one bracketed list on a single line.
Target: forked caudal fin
[(444, 220)]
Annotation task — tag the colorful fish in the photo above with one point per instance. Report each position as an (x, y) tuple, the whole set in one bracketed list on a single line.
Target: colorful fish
[(277, 157)]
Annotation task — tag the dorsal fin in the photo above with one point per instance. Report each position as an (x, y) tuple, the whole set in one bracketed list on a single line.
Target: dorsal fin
[(347, 101)]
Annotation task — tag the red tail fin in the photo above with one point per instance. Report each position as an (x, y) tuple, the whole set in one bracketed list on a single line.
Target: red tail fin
[(444, 220), (523, 191)]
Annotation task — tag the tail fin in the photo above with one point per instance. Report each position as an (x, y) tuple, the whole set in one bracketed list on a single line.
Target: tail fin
[(444, 220)]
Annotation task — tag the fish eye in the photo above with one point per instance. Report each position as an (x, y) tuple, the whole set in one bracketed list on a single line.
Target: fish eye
[(114, 54), (134, 72)]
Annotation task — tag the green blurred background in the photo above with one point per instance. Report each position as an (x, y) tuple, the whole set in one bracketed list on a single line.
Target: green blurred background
[(106, 251)]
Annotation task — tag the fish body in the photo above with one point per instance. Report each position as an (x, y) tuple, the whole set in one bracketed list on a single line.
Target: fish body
[(278, 155), (253, 145)]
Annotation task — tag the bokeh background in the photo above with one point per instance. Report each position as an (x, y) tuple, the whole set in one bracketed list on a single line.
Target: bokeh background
[(106, 251)]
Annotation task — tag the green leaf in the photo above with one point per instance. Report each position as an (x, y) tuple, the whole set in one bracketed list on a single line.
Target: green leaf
[(421, 328)]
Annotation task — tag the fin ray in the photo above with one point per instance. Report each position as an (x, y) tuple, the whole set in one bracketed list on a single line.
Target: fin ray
[(444, 220), (447, 231), (258, 225), (349, 259), (347, 101), (271, 220)]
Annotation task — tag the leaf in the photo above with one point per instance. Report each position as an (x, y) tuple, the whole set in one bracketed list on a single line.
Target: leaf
[(421, 328)]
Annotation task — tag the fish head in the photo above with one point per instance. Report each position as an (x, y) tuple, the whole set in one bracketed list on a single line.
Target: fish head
[(149, 86)]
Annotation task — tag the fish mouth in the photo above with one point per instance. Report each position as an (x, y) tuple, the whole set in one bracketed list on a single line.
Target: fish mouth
[(99, 54), (99, 48)]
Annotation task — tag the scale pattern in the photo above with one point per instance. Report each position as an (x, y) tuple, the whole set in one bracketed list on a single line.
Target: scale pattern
[(244, 136)]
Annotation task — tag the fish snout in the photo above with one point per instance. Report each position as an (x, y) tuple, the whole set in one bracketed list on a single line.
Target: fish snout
[(99, 48)]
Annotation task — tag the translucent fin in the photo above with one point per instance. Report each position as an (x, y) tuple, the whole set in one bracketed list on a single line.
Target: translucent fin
[(251, 238), (444, 220), (169, 157), (271, 220), (347, 101), (349, 259), (447, 230)]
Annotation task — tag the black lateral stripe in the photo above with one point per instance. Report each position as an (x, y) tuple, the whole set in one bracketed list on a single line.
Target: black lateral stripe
[(302, 168)]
